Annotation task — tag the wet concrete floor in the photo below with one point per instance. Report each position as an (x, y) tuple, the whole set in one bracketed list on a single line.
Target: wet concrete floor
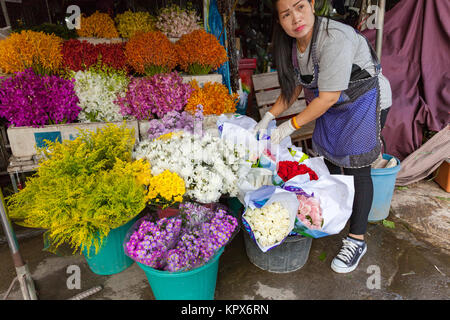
[(408, 269)]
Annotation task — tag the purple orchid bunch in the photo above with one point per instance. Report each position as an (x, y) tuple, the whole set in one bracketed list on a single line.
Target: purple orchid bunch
[(155, 95), (184, 242), (176, 121), (28, 99)]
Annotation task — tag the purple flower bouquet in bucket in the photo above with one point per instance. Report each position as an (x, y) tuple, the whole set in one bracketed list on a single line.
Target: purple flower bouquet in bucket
[(183, 242)]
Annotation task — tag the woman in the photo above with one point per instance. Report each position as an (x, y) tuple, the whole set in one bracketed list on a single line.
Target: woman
[(345, 93)]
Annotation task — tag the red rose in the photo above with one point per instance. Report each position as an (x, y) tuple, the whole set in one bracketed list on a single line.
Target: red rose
[(289, 169)]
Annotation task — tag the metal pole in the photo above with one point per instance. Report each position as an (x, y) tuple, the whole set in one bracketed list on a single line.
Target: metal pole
[(380, 24), (5, 13), (23, 273)]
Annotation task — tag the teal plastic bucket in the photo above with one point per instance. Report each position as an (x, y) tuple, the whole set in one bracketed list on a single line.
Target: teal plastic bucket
[(235, 207), (383, 188), (196, 284), (111, 258)]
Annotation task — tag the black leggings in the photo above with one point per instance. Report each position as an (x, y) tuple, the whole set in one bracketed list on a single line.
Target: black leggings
[(362, 201)]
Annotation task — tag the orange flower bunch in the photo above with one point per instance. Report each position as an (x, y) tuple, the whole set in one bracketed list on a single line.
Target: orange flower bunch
[(150, 53), (98, 25), (200, 52), (33, 49), (214, 97)]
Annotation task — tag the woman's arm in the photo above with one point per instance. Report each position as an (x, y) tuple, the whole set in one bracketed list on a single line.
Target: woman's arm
[(280, 105)]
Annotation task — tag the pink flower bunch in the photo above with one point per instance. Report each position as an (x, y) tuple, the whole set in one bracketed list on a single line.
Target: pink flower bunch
[(28, 99), (155, 95), (175, 22), (309, 212)]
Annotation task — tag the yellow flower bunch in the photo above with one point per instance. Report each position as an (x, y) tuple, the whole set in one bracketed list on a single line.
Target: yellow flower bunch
[(140, 169), (31, 49), (214, 97), (98, 25), (169, 135), (166, 189), (128, 23)]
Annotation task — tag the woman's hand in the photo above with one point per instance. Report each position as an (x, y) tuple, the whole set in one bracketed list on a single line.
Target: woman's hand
[(278, 108)]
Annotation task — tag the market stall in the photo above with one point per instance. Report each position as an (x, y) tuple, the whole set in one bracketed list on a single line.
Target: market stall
[(140, 154)]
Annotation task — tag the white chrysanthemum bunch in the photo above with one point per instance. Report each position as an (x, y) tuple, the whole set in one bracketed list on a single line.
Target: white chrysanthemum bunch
[(175, 22), (208, 165), (269, 224), (97, 92)]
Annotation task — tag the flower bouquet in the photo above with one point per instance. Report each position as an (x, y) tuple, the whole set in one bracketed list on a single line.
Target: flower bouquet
[(209, 166), (200, 52), (175, 22), (214, 97), (81, 55), (29, 49), (27, 99), (97, 25), (154, 95), (269, 216), (149, 53), (128, 23), (290, 169), (98, 89), (270, 224), (181, 243), (83, 189), (165, 192)]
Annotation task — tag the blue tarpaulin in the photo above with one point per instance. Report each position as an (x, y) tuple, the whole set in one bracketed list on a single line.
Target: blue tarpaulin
[(214, 24)]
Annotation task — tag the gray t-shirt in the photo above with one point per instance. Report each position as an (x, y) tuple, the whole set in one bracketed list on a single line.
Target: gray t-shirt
[(337, 52)]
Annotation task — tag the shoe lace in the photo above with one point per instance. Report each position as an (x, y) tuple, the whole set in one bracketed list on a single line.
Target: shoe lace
[(347, 251)]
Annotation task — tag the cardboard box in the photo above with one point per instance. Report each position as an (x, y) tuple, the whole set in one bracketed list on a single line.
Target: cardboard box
[(443, 175)]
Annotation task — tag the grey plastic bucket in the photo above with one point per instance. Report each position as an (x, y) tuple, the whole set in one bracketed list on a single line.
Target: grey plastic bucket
[(289, 256)]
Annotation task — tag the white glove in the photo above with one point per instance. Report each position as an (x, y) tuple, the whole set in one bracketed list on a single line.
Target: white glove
[(261, 127), (284, 130)]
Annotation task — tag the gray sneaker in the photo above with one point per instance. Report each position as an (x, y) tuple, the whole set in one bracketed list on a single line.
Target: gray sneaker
[(348, 258)]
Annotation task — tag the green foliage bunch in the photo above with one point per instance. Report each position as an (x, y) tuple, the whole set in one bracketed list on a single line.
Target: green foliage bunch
[(59, 30), (83, 189)]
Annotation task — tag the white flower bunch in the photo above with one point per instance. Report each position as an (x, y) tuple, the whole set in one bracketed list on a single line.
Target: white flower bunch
[(270, 224), (208, 165), (175, 22), (97, 92)]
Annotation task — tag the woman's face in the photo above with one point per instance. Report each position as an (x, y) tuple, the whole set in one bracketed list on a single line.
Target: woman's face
[(296, 17)]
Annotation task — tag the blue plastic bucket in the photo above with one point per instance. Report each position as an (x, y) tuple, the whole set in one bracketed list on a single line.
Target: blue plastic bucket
[(111, 258), (196, 284), (383, 188)]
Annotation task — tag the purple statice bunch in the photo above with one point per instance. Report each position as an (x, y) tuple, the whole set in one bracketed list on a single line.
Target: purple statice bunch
[(28, 99), (176, 121), (184, 242), (155, 95), (150, 243)]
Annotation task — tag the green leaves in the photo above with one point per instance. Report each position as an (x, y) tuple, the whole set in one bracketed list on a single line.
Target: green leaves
[(389, 224)]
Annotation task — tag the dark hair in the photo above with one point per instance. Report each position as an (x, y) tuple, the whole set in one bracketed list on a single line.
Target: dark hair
[(282, 54)]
